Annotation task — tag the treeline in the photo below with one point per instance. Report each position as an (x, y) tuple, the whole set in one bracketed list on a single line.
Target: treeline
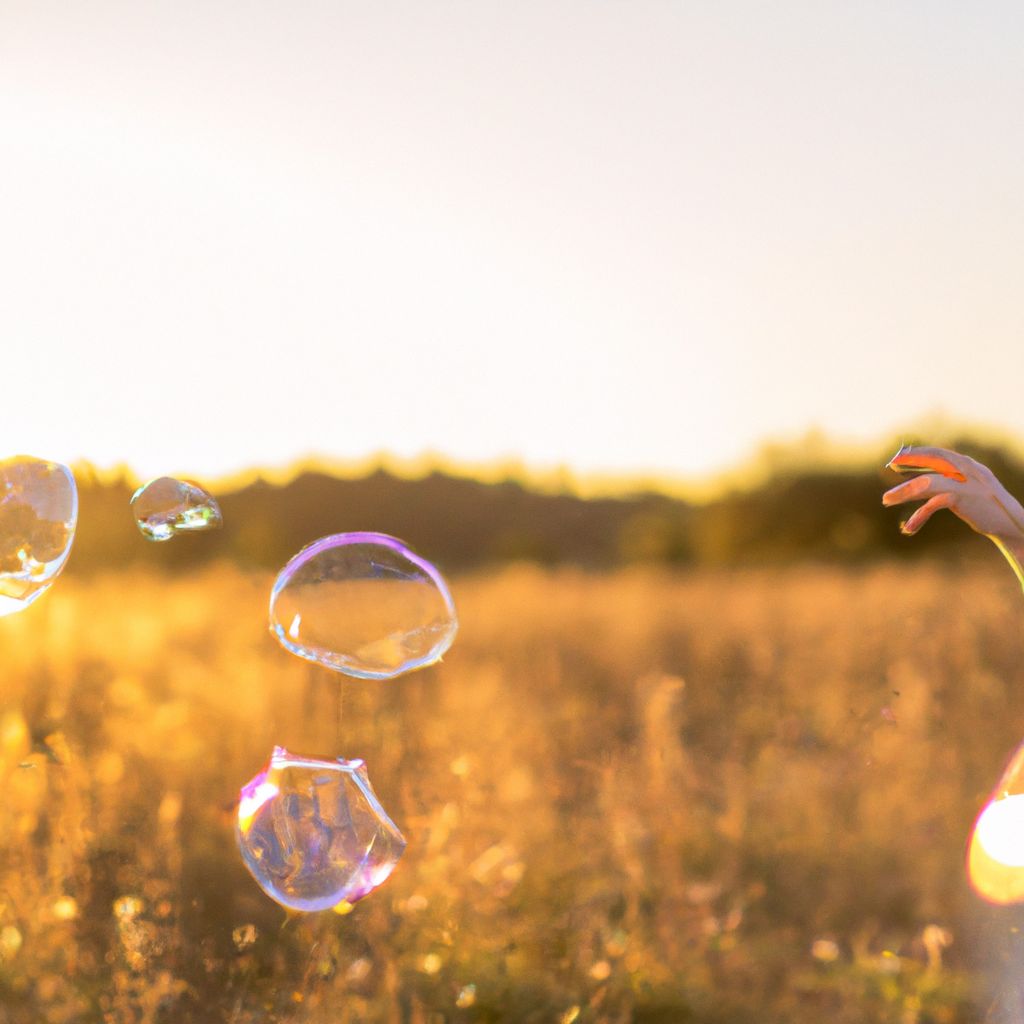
[(811, 515)]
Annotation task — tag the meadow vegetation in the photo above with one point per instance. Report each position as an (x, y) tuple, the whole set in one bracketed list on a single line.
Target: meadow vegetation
[(795, 513), (711, 796)]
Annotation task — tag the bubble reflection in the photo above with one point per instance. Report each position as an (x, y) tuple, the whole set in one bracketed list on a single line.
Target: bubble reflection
[(363, 604), (38, 515), (313, 833), (165, 507)]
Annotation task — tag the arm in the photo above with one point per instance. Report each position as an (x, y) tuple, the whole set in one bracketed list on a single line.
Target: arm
[(968, 489)]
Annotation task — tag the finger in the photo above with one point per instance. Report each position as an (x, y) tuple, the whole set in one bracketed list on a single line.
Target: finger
[(925, 512), (913, 489), (951, 465)]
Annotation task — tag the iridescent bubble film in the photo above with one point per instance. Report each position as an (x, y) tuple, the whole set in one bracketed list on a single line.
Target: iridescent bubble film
[(313, 833), (363, 604), (166, 506), (38, 513)]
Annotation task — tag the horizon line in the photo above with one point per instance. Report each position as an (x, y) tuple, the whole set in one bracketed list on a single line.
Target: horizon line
[(811, 451)]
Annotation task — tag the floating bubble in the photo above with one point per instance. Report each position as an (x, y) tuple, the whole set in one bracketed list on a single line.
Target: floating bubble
[(166, 506), (313, 834), (38, 514), (995, 855), (363, 604)]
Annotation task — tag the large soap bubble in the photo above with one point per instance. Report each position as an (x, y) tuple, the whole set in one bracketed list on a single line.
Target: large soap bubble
[(38, 515), (313, 833), (363, 604)]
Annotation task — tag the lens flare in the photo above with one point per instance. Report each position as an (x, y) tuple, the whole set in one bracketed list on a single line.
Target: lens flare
[(995, 855)]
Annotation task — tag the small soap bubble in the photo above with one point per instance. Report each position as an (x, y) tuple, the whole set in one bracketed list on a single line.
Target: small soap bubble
[(38, 514), (165, 507), (313, 833), (363, 604)]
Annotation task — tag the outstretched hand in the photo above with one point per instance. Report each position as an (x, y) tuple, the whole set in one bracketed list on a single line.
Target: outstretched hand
[(957, 482), (947, 479)]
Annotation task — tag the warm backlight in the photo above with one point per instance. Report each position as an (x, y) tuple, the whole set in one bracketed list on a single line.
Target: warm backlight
[(995, 856)]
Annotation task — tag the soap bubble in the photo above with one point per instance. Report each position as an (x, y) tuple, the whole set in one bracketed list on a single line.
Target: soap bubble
[(165, 507), (38, 514), (313, 834), (995, 854), (363, 604)]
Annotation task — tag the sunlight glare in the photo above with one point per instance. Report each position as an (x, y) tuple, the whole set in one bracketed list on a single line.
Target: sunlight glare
[(995, 855)]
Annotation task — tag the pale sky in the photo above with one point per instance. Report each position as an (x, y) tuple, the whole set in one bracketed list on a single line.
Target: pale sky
[(621, 236)]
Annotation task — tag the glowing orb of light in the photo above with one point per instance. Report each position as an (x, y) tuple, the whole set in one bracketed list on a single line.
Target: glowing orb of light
[(1000, 830), (995, 854)]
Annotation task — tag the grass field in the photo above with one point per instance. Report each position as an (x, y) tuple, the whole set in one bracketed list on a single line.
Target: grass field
[(707, 798)]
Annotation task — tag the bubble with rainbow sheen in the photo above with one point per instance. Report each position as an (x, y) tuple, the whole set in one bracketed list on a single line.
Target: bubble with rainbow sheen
[(363, 604), (313, 833)]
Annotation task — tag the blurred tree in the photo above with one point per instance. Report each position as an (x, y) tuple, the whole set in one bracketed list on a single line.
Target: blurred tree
[(794, 515)]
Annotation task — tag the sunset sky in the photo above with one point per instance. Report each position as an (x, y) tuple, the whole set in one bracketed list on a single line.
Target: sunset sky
[(637, 237)]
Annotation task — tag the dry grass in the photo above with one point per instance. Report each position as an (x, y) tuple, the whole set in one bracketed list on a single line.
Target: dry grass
[(709, 798)]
